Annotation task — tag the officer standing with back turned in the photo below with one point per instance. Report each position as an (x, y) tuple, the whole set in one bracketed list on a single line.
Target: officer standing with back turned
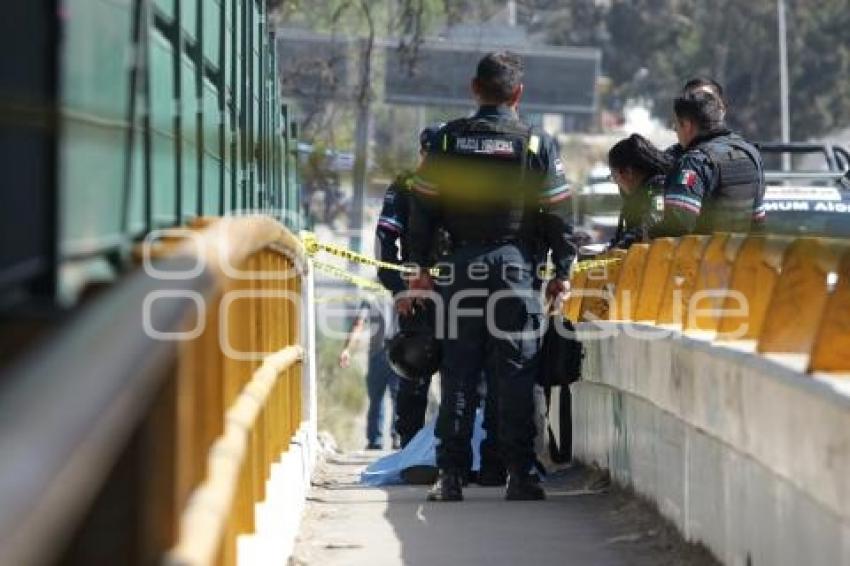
[(391, 235), (497, 187)]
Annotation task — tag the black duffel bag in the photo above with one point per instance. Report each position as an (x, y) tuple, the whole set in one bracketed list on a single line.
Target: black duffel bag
[(561, 355)]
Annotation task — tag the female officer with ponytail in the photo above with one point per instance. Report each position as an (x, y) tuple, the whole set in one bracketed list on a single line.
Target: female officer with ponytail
[(639, 169)]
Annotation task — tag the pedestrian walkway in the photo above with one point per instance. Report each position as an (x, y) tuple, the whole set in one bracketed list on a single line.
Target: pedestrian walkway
[(582, 522)]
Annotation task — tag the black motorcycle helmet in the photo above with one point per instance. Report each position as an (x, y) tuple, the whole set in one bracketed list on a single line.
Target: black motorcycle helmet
[(413, 355), (414, 352)]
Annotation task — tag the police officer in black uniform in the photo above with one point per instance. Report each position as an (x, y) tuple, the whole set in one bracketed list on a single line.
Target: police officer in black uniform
[(718, 182), (412, 398), (497, 187), (698, 84), (391, 232)]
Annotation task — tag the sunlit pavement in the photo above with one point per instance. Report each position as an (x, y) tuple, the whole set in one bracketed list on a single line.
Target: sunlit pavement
[(349, 524)]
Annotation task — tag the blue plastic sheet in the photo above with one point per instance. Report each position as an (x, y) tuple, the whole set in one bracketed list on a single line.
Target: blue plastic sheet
[(420, 451)]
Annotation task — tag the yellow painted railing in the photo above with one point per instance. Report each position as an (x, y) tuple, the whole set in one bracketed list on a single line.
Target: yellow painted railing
[(147, 427), (238, 383), (783, 295)]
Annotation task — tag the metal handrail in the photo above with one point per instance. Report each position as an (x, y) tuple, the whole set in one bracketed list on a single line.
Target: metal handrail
[(68, 411), (75, 412)]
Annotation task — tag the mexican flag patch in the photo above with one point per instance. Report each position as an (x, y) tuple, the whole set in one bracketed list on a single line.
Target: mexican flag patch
[(688, 178)]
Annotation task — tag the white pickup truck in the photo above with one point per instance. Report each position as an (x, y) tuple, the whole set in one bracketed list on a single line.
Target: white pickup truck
[(815, 201)]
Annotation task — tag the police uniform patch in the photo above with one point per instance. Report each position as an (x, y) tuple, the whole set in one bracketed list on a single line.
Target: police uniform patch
[(485, 146), (687, 178)]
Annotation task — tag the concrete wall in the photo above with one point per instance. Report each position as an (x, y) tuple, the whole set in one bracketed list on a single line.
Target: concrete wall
[(742, 453)]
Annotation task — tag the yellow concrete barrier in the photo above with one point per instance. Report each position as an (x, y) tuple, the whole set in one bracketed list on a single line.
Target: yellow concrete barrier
[(754, 277), (799, 297), (787, 295), (831, 349), (572, 306), (681, 279), (628, 283), (704, 309), (654, 279), (599, 288)]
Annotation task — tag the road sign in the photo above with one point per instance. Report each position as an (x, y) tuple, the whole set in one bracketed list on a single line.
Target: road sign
[(557, 79)]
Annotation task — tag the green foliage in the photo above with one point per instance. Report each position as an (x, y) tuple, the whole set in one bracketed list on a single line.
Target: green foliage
[(395, 139), (342, 395), (651, 47)]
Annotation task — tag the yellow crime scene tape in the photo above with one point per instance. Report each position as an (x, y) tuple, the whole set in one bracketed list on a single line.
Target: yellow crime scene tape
[(342, 298), (590, 264), (313, 246), (361, 282), (548, 272)]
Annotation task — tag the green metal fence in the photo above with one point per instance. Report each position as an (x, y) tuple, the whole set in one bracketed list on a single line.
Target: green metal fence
[(170, 110)]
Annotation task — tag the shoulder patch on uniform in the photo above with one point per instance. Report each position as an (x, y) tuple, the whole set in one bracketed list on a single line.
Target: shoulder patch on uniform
[(687, 177), (534, 144)]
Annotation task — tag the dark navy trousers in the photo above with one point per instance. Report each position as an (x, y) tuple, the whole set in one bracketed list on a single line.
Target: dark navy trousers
[(412, 404), (492, 322)]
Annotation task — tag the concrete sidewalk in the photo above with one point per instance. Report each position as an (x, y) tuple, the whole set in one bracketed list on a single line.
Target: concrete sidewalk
[(348, 524)]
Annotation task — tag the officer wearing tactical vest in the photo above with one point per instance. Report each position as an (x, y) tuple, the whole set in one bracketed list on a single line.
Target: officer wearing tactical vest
[(498, 188), (718, 182), (391, 244), (412, 398)]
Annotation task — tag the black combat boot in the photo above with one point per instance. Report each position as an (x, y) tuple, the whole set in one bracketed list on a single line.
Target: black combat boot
[(492, 476), (524, 487), (447, 488)]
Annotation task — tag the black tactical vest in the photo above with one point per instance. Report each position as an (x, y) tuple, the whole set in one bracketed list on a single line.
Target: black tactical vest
[(484, 183), (442, 241), (729, 202)]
